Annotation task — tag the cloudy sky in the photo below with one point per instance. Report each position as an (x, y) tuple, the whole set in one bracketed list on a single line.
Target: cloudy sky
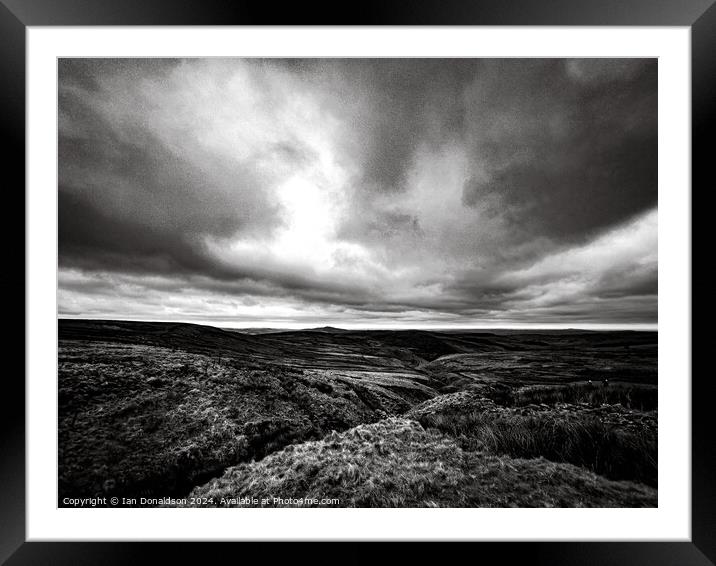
[(359, 192)]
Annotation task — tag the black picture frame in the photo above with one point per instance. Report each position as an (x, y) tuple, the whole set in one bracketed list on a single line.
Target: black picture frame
[(17, 15)]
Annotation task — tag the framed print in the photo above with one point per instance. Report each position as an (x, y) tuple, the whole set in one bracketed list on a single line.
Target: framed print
[(421, 276)]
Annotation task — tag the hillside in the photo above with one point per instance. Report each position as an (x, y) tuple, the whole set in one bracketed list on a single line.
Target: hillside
[(157, 409)]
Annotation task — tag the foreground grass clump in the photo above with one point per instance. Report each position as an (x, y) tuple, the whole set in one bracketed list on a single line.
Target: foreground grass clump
[(397, 463), (392, 463), (610, 441)]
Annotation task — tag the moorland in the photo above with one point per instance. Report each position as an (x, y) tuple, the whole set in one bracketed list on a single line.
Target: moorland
[(372, 418)]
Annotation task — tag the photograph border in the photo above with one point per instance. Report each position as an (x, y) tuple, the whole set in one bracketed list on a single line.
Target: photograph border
[(17, 15)]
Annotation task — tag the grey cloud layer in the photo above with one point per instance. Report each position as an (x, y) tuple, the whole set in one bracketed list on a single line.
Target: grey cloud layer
[(463, 190)]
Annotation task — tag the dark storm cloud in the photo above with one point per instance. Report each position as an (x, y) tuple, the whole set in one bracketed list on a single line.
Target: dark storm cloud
[(408, 102), (430, 189), (392, 106), (568, 147), (128, 199)]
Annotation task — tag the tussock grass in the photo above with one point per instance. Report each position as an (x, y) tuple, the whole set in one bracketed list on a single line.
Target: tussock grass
[(587, 442), (397, 463), (392, 463)]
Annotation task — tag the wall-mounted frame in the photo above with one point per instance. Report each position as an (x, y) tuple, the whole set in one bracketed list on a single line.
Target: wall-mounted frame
[(700, 16)]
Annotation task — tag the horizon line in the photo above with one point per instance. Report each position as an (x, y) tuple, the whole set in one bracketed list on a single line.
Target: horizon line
[(286, 325)]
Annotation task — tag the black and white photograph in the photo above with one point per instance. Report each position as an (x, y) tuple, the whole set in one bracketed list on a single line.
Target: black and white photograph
[(357, 282)]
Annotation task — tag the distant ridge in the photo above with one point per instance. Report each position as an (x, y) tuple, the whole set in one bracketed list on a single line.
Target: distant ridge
[(329, 329)]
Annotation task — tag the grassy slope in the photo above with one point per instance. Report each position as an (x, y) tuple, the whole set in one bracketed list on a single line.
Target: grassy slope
[(397, 463), (145, 420)]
